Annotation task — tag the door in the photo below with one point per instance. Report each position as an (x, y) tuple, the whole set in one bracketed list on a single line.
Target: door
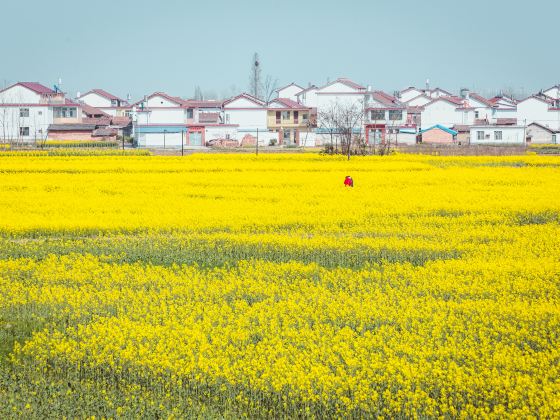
[(195, 138)]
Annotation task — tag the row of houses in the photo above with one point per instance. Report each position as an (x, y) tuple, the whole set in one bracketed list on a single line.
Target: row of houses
[(295, 117)]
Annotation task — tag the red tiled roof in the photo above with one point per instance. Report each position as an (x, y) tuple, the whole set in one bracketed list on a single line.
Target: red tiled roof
[(386, 99), (288, 103), (481, 99), (104, 132), (104, 94), (36, 87), (506, 121), (350, 83), (104, 121), (191, 103), (90, 110), (246, 96), (123, 121)]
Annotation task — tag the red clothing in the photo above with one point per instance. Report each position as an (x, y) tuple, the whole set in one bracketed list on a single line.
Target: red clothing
[(348, 181)]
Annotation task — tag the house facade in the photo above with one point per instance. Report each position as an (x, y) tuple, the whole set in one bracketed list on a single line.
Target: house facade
[(540, 134), (250, 116), (290, 91), (497, 135), (105, 101), (539, 109), (386, 119), (27, 109), (439, 134), (308, 96), (447, 111), (294, 123)]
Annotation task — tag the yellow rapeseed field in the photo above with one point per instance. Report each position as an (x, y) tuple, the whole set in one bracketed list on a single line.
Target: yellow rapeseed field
[(259, 286)]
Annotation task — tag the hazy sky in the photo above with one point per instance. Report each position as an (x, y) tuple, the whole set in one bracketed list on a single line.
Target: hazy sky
[(141, 46)]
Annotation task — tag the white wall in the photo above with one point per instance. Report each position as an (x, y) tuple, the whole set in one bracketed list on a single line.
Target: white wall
[(172, 140), (220, 132), (162, 116), (247, 118), (19, 95), (407, 96), (418, 101), (95, 100), (159, 101), (534, 110), (40, 117), (308, 98), (510, 135), (446, 114), (289, 92), (553, 92)]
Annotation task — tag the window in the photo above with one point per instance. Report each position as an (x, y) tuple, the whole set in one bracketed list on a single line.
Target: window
[(40, 113), (377, 114), (287, 135), (476, 114), (296, 117), (227, 137), (285, 115), (304, 117), (64, 112), (24, 131), (480, 135), (24, 112), (227, 118), (278, 117), (395, 115), (114, 102), (497, 135), (554, 138), (190, 113)]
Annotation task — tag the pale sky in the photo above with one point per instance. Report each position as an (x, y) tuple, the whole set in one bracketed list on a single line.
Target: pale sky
[(141, 46)]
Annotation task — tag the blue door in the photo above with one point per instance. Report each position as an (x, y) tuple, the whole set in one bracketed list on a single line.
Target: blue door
[(195, 138)]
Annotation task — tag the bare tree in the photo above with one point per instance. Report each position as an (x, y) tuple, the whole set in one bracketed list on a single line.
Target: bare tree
[(269, 86), (345, 121), (198, 96)]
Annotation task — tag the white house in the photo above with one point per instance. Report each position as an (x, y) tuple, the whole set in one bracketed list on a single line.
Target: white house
[(385, 118), (308, 96), (342, 92), (447, 111), (539, 109), (162, 120), (412, 92), (497, 134), (105, 101), (419, 100), (27, 109), (553, 92), (539, 134), (505, 107), (249, 115), (290, 91)]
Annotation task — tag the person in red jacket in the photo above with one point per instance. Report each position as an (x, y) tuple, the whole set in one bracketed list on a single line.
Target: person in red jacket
[(348, 181)]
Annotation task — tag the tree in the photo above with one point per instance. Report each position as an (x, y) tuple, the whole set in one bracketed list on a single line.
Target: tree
[(345, 121), (255, 77), (198, 95)]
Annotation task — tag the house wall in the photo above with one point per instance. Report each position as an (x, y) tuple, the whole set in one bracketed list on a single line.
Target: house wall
[(308, 99), (553, 92), (539, 135), (171, 140), (71, 135), (220, 132), (95, 100), (40, 117), (289, 92), (405, 138), (408, 95), (19, 95), (157, 101), (446, 114), (247, 118), (162, 116), (437, 136), (510, 135), (534, 110), (418, 101)]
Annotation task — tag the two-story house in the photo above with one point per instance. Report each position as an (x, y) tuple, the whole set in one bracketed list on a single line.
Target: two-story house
[(385, 117), (105, 101), (539, 109), (28, 109), (290, 91), (294, 123), (250, 116)]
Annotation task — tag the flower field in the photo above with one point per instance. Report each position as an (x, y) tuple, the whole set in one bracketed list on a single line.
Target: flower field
[(239, 286)]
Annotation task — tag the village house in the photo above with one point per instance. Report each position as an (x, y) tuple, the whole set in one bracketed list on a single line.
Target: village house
[(410, 93), (343, 93), (439, 134), (105, 101), (28, 109), (162, 120), (497, 134), (552, 92), (385, 119), (540, 134), (250, 116), (447, 111), (294, 122), (308, 96), (290, 92), (505, 107), (539, 109)]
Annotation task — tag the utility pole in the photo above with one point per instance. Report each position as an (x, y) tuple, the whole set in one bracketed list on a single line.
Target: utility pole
[(164, 131), (257, 144), (182, 142)]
